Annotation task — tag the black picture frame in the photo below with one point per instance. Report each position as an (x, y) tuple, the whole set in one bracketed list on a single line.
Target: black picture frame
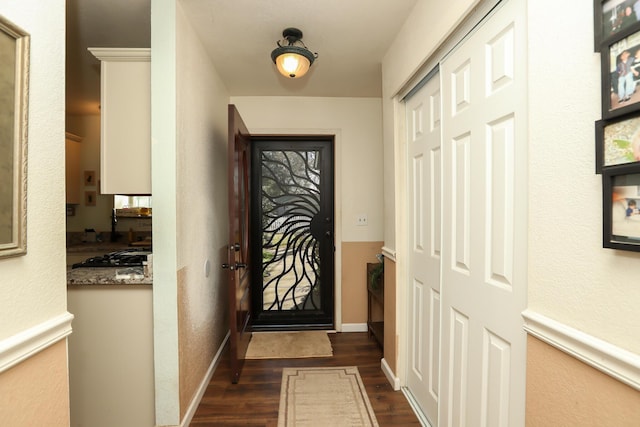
[(621, 77), (613, 20), (617, 141), (620, 202)]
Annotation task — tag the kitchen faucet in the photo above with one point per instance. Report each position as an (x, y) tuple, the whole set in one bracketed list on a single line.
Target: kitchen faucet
[(114, 221)]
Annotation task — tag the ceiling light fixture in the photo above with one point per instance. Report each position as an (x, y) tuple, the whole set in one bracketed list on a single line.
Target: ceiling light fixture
[(293, 59)]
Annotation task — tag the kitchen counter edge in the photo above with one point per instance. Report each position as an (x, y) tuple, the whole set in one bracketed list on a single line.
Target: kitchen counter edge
[(101, 276)]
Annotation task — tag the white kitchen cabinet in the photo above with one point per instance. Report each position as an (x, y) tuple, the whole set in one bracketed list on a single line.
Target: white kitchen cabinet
[(125, 115), (73, 177)]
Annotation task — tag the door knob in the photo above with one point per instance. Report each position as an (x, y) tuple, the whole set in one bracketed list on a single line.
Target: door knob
[(236, 266)]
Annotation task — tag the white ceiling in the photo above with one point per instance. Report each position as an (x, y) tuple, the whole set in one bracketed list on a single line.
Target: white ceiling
[(350, 37)]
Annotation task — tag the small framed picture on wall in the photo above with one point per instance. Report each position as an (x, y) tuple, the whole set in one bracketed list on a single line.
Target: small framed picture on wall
[(621, 77), (617, 141), (621, 207), (614, 19), (89, 178), (89, 198)]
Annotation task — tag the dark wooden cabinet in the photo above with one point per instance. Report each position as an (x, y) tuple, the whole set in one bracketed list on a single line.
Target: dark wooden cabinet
[(375, 302)]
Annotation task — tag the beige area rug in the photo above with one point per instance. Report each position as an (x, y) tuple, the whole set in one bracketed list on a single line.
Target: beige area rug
[(289, 345), (324, 397)]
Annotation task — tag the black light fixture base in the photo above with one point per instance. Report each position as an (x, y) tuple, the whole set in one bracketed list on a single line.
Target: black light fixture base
[(292, 35)]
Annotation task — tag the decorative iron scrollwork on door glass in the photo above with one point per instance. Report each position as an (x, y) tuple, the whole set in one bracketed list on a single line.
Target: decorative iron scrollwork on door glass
[(290, 204)]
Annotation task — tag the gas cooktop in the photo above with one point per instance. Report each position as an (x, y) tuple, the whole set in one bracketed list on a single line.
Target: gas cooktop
[(125, 258)]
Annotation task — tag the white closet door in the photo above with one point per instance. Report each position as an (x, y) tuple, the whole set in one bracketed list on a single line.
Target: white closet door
[(425, 158), (484, 242)]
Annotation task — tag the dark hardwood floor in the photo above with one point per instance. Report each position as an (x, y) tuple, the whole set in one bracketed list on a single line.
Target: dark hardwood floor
[(254, 401)]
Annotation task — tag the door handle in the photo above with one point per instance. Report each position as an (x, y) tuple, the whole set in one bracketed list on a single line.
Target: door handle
[(236, 266)]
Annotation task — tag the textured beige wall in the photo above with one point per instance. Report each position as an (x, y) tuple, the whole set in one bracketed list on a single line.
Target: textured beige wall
[(562, 391), (390, 329), (355, 256), (189, 132), (195, 351), (34, 285), (577, 282), (35, 392), (201, 206), (355, 122)]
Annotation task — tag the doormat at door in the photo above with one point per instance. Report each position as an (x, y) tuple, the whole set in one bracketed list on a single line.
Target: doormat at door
[(289, 345), (324, 397)]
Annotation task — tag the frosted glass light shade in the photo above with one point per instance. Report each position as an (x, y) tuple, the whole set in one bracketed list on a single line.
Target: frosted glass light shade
[(292, 65), (292, 61)]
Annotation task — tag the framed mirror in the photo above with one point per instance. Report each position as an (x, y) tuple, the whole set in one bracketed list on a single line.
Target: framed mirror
[(14, 78)]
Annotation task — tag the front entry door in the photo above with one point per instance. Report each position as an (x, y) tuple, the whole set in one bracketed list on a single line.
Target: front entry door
[(239, 264), (292, 221)]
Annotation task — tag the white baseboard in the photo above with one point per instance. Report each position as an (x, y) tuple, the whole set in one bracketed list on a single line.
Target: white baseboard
[(354, 327), (193, 406), (25, 344), (614, 361), (393, 380)]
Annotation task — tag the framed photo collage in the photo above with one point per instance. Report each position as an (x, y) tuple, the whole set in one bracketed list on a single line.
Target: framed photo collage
[(617, 134)]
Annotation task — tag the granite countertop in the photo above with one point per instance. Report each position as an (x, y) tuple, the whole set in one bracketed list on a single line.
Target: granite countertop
[(103, 275), (107, 276)]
